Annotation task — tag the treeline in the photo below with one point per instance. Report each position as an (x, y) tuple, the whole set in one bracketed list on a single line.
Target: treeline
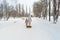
[(7, 10), (40, 8), (43, 9)]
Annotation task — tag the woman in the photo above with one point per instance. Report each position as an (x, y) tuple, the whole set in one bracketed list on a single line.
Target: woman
[(29, 20)]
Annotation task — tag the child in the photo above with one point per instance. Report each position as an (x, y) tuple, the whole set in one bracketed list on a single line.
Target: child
[(26, 21)]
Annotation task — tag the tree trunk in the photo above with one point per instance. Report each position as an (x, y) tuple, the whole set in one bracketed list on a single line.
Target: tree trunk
[(54, 10), (49, 11)]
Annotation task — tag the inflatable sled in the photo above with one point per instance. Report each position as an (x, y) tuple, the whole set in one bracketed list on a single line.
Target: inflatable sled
[(28, 26)]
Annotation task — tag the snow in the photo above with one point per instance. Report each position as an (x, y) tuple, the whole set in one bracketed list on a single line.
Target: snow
[(15, 29)]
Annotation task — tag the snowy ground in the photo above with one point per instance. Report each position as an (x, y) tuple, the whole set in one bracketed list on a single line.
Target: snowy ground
[(14, 29)]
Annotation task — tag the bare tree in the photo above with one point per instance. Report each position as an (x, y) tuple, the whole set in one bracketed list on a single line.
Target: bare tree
[(58, 5), (57, 10), (5, 9), (1, 11), (19, 8), (23, 10), (26, 14), (19, 12), (44, 9), (54, 11), (37, 9)]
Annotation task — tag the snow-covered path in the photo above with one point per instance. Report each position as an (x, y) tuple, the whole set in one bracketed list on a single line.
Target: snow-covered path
[(41, 30)]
